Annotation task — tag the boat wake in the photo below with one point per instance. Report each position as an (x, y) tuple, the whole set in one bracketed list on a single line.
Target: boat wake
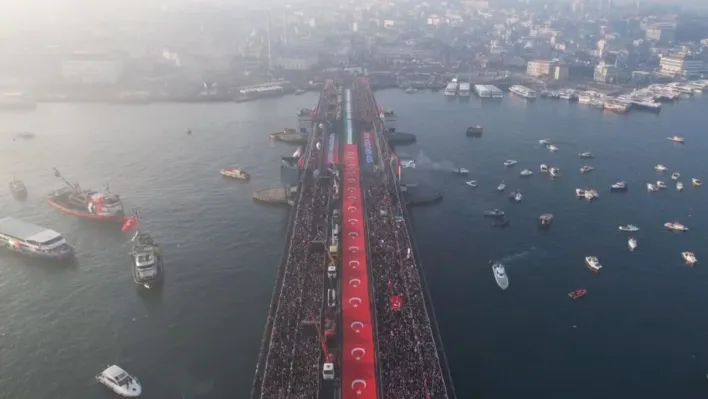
[(521, 255), (422, 161)]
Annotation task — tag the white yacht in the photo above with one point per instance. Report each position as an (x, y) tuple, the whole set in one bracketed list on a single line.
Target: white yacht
[(32, 240), (675, 226), (629, 227), (147, 261), (689, 257), (675, 176), (526, 172), (552, 148), (461, 171), (679, 186), (580, 193), (555, 172), (523, 91), (696, 182), (510, 162), (632, 243), (544, 141), (500, 275), (591, 195), (451, 88), (501, 187), (651, 188), (471, 183), (619, 186), (544, 168), (120, 382), (661, 168), (676, 139), (586, 169), (660, 184), (593, 263)]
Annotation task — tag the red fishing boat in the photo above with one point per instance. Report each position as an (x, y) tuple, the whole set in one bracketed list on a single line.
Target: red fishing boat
[(87, 204), (577, 293)]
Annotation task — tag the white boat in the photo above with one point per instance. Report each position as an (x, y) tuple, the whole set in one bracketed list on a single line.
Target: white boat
[(147, 261), (591, 195), (523, 91), (464, 90), (632, 243), (675, 226), (676, 139), (629, 227), (586, 169), (593, 263), (500, 276), (501, 187), (471, 183), (580, 192), (411, 90), (526, 172), (32, 240), (660, 184), (544, 168), (661, 168), (552, 148), (408, 163), (586, 155), (679, 186), (651, 188), (544, 141), (516, 197), (555, 172), (451, 88), (689, 257), (461, 171), (696, 182), (510, 162), (120, 382), (675, 176), (235, 173), (619, 186)]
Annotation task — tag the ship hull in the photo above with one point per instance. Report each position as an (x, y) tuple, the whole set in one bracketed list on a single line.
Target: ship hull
[(66, 209)]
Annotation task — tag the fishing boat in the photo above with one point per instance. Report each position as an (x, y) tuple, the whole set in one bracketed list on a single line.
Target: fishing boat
[(586, 169), (661, 168), (593, 263), (120, 382), (619, 186), (235, 173), (500, 275), (501, 187), (632, 243), (88, 204), (471, 183), (18, 189), (676, 139), (461, 171), (675, 226), (579, 293), (554, 172), (689, 257), (586, 155), (675, 176), (494, 213), (545, 220), (510, 162), (629, 227), (679, 186), (34, 241), (696, 182), (526, 173), (147, 261)]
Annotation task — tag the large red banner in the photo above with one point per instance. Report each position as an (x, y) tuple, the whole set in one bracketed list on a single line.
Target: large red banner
[(358, 357)]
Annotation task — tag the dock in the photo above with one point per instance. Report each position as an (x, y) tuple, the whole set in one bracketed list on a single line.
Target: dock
[(276, 195)]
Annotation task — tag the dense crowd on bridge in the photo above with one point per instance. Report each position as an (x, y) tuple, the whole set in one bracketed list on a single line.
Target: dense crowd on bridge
[(408, 359), (292, 365)]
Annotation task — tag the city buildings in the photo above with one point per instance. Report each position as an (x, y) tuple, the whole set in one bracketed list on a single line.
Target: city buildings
[(680, 66), (605, 73)]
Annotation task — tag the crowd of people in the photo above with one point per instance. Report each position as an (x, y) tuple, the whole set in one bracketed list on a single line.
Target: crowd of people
[(292, 365)]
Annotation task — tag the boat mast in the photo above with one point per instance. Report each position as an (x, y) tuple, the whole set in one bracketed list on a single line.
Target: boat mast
[(58, 175)]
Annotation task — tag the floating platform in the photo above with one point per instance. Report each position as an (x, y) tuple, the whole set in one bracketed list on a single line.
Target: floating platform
[(276, 196), (400, 138)]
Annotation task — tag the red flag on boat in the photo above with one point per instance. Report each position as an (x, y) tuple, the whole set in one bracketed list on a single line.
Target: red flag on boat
[(129, 224)]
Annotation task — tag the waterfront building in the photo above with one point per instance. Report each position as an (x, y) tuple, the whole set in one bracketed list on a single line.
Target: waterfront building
[(663, 32), (676, 66), (605, 73), (538, 68)]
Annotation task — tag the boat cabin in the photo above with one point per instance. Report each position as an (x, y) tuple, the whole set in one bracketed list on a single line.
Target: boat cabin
[(19, 235)]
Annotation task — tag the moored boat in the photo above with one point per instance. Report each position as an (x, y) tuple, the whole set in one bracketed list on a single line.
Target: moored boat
[(235, 173), (87, 204), (544, 141), (660, 185), (500, 275), (579, 293), (120, 382), (689, 257), (593, 263), (32, 240), (516, 197), (552, 148), (148, 268), (632, 244), (18, 189), (474, 131), (651, 187)]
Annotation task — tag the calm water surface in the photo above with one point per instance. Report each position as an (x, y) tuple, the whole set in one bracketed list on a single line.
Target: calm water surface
[(637, 333)]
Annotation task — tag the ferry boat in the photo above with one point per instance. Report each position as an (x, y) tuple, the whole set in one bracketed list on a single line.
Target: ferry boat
[(675, 176), (147, 261), (579, 293), (675, 226), (545, 220), (451, 88), (629, 227), (32, 240), (593, 263), (235, 173), (87, 204), (474, 131), (679, 186), (523, 91), (689, 257), (555, 172), (120, 382), (510, 162), (525, 173), (632, 244), (676, 139), (500, 275), (661, 168), (586, 169), (464, 90), (18, 189), (619, 186), (696, 182), (586, 155)]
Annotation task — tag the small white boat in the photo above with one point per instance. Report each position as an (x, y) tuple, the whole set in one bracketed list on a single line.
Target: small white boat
[(500, 276), (586, 169), (555, 172), (235, 173), (580, 192), (619, 186), (461, 171), (676, 139), (651, 188), (629, 227), (689, 257), (120, 382), (411, 90), (544, 168), (632, 243), (661, 168), (679, 186), (408, 163), (591, 195), (696, 182), (501, 187), (593, 263), (675, 176), (510, 162), (660, 184), (586, 155), (471, 183), (544, 141), (516, 197), (552, 148), (675, 226), (526, 172)]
